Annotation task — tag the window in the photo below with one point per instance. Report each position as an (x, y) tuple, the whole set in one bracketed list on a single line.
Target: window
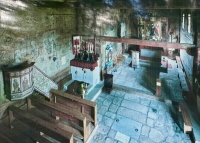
[(189, 23), (183, 21)]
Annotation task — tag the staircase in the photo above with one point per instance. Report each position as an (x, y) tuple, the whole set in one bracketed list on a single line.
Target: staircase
[(43, 83)]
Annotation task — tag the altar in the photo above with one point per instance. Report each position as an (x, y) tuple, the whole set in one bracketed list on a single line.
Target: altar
[(85, 71)]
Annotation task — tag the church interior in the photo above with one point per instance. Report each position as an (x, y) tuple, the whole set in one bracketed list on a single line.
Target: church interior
[(99, 71)]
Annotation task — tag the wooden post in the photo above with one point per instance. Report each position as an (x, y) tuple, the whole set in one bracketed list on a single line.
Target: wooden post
[(158, 87), (11, 118), (28, 104)]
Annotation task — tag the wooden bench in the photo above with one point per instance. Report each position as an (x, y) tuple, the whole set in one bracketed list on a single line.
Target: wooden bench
[(37, 123), (186, 117), (86, 107), (79, 121), (178, 60), (79, 106)]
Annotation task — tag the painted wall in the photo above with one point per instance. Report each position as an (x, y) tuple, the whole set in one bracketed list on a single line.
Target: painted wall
[(41, 34), (37, 34)]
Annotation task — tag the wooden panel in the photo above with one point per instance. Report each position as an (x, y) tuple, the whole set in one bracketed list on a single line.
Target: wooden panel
[(44, 126)]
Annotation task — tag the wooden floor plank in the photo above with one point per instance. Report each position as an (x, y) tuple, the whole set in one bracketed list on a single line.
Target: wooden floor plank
[(34, 135), (7, 139), (12, 135), (42, 125)]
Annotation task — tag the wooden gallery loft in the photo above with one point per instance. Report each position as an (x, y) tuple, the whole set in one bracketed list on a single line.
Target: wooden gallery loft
[(58, 56)]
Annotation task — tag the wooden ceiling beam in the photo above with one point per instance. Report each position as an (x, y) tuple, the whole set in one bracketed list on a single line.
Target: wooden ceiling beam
[(146, 42)]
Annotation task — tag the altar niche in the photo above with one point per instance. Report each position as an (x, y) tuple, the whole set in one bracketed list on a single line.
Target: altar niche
[(85, 65)]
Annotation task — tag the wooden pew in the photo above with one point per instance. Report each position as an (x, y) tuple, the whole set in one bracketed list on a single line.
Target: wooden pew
[(178, 60), (186, 117), (79, 121), (39, 124), (84, 106), (45, 116)]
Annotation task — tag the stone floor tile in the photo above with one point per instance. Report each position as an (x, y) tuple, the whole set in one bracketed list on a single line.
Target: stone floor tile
[(122, 137), (134, 115), (110, 115), (145, 130), (152, 115), (102, 110), (150, 122), (133, 128), (98, 138), (132, 97), (162, 113), (119, 93), (117, 100), (113, 108), (107, 103), (163, 107), (103, 129), (145, 101), (99, 117), (133, 141), (110, 97), (156, 135), (119, 81), (144, 139), (134, 106), (107, 121), (109, 140), (112, 133), (101, 98), (154, 104), (113, 92), (128, 83)]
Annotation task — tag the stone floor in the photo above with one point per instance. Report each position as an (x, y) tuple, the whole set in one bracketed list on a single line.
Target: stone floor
[(129, 117)]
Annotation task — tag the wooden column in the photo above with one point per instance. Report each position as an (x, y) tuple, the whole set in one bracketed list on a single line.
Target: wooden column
[(158, 87), (123, 48)]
